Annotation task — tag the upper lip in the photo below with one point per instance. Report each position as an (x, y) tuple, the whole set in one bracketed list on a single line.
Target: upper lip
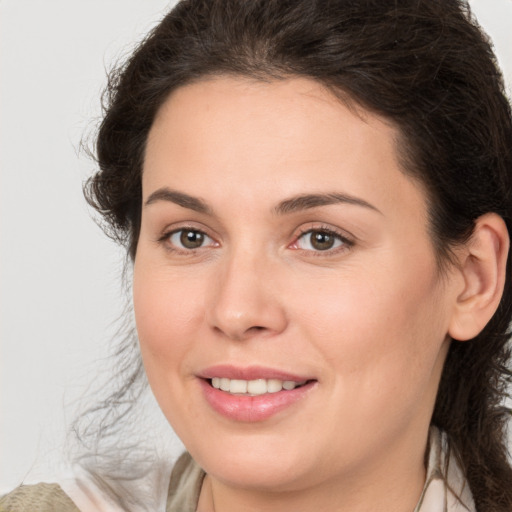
[(230, 371)]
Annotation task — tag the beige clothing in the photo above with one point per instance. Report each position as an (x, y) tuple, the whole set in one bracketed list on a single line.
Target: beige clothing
[(37, 498), (445, 481), (442, 486)]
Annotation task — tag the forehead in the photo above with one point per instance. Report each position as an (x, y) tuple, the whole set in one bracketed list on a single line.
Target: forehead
[(277, 138), (267, 112)]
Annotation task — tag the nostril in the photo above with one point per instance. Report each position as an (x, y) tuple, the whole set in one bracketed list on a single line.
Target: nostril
[(257, 328)]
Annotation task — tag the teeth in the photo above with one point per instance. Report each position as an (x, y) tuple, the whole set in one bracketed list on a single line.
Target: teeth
[(274, 385), (288, 384), (238, 386), (254, 387)]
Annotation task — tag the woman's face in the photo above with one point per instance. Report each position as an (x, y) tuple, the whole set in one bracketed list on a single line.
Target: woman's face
[(282, 245)]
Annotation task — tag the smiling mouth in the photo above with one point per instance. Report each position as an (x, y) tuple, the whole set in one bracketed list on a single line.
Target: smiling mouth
[(254, 387)]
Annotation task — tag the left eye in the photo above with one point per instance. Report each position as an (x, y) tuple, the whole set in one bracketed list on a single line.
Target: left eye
[(189, 239), (319, 240)]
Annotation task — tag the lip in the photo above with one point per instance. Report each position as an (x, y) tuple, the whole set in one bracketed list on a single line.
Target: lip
[(250, 373), (251, 409)]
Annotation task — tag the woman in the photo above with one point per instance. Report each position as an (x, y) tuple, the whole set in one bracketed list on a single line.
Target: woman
[(316, 198)]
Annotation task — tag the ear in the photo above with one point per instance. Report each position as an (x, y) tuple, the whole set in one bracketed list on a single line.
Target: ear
[(482, 264)]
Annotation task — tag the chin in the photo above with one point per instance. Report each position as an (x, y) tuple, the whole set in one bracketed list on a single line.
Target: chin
[(263, 462)]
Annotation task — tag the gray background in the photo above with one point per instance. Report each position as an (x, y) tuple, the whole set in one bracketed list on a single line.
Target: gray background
[(60, 290)]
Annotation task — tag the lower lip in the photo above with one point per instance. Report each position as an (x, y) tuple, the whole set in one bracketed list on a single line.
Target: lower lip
[(252, 408)]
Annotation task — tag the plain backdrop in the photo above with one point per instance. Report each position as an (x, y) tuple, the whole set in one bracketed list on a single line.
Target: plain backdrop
[(60, 290)]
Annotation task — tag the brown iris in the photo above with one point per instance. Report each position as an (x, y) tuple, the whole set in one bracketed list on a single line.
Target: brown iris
[(191, 239), (322, 240)]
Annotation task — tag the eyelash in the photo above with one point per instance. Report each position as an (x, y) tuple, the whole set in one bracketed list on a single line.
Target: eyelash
[(346, 243), (165, 240)]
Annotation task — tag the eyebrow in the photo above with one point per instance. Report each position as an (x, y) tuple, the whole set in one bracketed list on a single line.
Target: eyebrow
[(294, 204), (179, 198), (308, 201)]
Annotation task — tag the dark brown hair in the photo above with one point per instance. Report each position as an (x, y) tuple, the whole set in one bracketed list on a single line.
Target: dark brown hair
[(423, 64)]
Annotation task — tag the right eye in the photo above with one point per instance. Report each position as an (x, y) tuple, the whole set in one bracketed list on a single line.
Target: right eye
[(188, 239)]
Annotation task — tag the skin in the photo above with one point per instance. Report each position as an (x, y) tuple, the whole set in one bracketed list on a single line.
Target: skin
[(367, 319)]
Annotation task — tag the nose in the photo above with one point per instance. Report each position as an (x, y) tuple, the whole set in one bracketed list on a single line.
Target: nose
[(244, 301)]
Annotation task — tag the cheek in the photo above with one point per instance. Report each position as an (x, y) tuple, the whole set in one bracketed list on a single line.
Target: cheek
[(383, 350), (167, 312), (380, 327)]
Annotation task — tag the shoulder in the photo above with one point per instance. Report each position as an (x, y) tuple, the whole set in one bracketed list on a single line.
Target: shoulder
[(185, 485), (37, 498)]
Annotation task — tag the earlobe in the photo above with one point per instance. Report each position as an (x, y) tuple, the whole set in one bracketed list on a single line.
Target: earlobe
[(483, 267)]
